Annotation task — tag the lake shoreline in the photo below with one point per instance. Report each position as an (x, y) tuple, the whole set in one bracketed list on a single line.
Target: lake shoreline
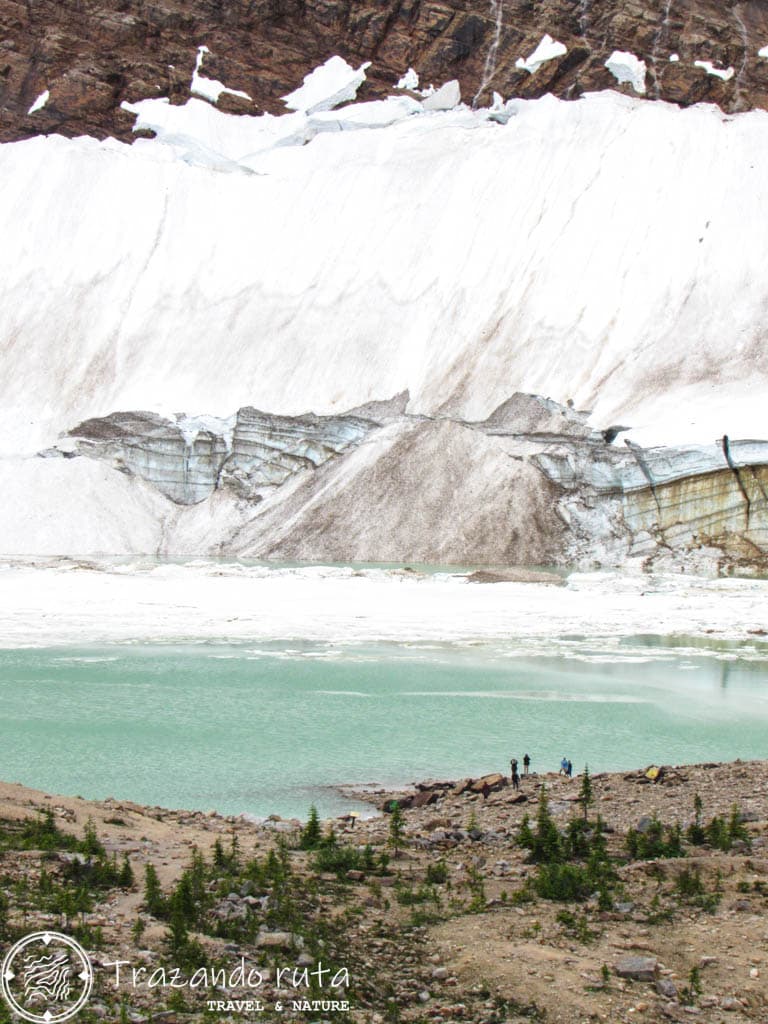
[(462, 847)]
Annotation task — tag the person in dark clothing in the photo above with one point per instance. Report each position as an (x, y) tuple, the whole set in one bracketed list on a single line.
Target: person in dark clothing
[(569, 770), (515, 775), (526, 764)]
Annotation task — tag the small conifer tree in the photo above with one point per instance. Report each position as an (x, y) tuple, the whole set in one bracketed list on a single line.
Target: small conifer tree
[(396, 830), (91, 846), (154, 900), (125, 876), (311, 834), (586, 794)]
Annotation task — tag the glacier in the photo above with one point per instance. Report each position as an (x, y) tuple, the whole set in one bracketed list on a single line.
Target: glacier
[(408, 268)]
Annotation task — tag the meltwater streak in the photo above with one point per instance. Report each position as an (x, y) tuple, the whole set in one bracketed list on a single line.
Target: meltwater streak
[(489, 68), (233, 727)]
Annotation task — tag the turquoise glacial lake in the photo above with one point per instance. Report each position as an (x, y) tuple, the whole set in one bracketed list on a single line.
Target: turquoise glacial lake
[(273, 728)]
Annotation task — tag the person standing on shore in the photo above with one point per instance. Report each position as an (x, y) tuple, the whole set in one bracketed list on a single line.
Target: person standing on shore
[(569, 770), (563, 766), (515, 775), (526, 764)]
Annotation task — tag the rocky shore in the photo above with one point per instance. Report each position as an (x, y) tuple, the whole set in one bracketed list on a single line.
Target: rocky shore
[(452, 908)]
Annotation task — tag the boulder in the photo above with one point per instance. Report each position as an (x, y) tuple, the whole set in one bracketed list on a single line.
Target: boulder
[(637, 968), (667, 988), (279, 940), (490, 783), (402, 802), (462, 787)]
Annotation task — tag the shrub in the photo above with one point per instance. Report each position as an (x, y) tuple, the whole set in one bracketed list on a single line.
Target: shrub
[(657, 841), (688, 883), (437, 873), (568, 883)]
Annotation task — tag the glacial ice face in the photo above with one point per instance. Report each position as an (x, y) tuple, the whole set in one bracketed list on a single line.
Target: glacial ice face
[(623, 468), (188, 459), (267, 449), (534, 482), (329, 274), (594, 252), (182, 466)]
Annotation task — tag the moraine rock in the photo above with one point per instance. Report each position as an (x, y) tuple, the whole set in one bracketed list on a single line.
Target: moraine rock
[(637, 968), (667, 988), (489, 784), (279, 940)]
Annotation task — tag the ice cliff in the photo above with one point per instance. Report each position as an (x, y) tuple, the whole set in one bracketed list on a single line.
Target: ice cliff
[(202, 333)]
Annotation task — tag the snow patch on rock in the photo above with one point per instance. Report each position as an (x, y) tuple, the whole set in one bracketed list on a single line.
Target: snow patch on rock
[(327, 86), (410, 80), (548, 49), (725, 73), (626, 67), (40, 102), (209, 88)]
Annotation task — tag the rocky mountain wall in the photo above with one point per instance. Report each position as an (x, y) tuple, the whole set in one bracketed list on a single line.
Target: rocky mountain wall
[(91, 55)]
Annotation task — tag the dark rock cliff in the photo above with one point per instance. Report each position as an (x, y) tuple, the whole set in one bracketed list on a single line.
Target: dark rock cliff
[(93, 54)]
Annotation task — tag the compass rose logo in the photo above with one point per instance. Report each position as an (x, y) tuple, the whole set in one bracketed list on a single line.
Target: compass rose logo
[(46, 978)]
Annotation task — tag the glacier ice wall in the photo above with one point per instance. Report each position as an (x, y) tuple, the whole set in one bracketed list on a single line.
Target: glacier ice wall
[(605, 251)]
